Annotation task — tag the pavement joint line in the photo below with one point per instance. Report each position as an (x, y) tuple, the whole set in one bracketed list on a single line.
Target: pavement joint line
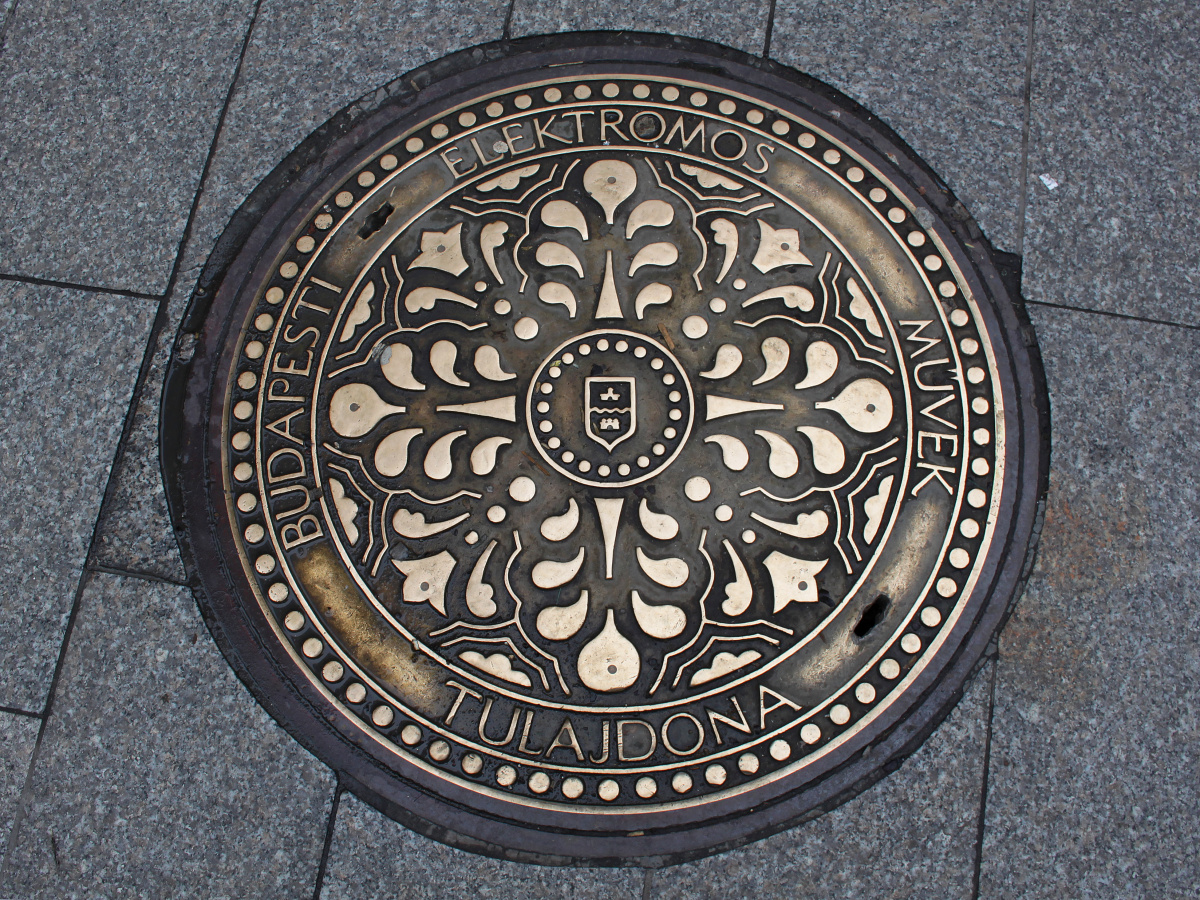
[(25, 797), (981, 824), (506, 32), (1113, 315), (84, 578), (648, 874), (766, 54), (136, 573), (15, 711), (160, 320), (172, 281), (8, 20), (73, 286), (330, 824), (1023, 199)]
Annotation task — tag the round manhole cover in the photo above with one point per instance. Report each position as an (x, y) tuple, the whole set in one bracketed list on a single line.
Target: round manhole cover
[(609, 451)]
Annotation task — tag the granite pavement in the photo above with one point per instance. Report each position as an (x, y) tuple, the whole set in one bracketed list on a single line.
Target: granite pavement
[(134, 764)]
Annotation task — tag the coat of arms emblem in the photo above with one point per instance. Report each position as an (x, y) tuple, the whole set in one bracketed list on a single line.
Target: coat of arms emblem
[(610, 410)]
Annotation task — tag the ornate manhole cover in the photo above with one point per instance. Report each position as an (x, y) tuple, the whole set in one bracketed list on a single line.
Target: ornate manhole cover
[(605, 452)]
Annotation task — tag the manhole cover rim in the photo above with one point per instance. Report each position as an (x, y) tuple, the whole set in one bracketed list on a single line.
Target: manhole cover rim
[(244, 647)]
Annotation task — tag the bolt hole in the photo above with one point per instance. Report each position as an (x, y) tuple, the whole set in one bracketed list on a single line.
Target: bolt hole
[(872, 616), (424, 585), (644, 127), (612, 179), (612, 670), (354, 407), (376, 220)]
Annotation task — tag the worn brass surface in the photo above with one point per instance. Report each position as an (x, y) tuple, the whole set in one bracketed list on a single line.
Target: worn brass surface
[(612, 443)]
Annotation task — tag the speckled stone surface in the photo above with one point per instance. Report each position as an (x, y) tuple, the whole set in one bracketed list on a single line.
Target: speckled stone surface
[(1095, 779), (741, 24), (1115, 115), (305, 61), (68, 363), (948, 77), (373, 858), (18, 735), (134, 533), (107, 111), (159, 776), (911, 835)]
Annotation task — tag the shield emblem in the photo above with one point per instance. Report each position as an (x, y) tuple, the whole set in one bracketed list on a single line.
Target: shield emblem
[(610, 410)]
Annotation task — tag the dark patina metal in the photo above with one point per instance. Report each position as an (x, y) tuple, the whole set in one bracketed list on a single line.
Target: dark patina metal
[(605, 449)]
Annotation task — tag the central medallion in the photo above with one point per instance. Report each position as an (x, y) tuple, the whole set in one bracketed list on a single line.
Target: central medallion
[(602, 459), (610, 408)]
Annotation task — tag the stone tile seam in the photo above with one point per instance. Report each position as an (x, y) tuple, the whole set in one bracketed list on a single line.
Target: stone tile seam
[(75, 286), (330, 825), (16, 711), (173, 278), (160, 320), (5, 25), (206, 169), (84, 577), (506, 31), (136, 574), (770, 31), (1022, 196), (24, 798), (981, 823), (1148, 320)]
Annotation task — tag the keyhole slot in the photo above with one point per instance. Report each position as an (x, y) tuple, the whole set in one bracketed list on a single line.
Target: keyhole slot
[(872, 616)]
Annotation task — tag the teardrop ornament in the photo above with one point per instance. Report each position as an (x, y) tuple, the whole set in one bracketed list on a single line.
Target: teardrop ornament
[(551, 574), (657, 213), (355, 409), (784, 461), (609, 662), (660, 622), (657, 525), (610, 183), (729, 358), (396, 361), (561, 214), (391, 456), (558, 623), (822, 361), (775, 352), (865, 404), (438, 462), (829, 454), (559, 528)]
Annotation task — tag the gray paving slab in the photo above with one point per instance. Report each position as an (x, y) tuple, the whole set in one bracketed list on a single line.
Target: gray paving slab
[(18, 735), (373, 858), (305, 61), (911, 835), (158, 775), (736, 23), (68, 361), (1115, 114), (1095, 778), (107, 112), (134, 533), (948, 77)]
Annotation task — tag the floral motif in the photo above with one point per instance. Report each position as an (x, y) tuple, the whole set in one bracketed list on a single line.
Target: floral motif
[(612, 426)]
